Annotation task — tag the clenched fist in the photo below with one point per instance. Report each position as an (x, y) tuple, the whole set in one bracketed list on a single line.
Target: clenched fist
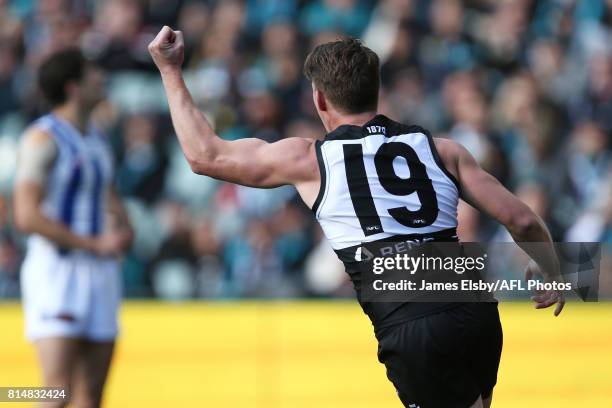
[(167, 49)]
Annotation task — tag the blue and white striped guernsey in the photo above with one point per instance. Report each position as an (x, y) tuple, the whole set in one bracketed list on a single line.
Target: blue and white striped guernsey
[(75, 189)]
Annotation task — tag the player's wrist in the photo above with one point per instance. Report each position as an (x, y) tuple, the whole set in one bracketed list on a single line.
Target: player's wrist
[(170, 71), (88, 244)]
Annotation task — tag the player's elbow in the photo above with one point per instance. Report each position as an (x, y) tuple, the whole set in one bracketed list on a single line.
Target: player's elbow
[(197, 167), (201, 163), (523, 222), (24, 219), (205, 157)]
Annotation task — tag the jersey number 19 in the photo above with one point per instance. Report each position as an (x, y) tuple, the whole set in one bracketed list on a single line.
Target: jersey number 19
[(418, 182)]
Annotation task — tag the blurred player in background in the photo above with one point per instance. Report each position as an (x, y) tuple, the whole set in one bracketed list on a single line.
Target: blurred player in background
[(63, 199), (438, 355)]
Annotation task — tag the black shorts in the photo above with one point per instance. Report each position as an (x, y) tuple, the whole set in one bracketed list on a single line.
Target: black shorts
[(444, 360)]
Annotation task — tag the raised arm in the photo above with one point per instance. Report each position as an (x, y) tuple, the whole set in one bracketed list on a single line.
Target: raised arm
[(251, 162), (487, 194)]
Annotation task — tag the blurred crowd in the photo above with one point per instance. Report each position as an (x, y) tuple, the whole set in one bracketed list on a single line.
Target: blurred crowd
[(525, 85)]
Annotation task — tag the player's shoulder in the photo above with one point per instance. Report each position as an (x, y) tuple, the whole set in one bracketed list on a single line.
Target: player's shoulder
[(98, 128), (450, 152), (298, 154), (37, 134), (40, 148), (448, 148), (295, 146)]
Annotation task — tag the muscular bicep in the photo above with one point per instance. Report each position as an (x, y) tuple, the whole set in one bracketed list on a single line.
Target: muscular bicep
[(256, 163), (483, 191)]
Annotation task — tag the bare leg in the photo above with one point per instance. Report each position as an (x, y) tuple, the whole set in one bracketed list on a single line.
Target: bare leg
[(57, 356), (90, 372)]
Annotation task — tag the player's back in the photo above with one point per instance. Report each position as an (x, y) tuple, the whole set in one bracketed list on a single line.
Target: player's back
[(384, 181)]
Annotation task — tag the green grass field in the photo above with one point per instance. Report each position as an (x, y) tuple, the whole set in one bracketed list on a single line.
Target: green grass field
[(317, 354)]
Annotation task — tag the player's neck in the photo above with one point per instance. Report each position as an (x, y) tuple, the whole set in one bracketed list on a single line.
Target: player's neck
[(357, 119), (73, 115)]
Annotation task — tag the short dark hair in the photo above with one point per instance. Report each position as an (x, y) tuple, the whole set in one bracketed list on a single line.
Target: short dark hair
[(57, 71), (348, 74)]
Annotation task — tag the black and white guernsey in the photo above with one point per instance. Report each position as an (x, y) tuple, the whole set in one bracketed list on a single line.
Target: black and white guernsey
[(384, 181)]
